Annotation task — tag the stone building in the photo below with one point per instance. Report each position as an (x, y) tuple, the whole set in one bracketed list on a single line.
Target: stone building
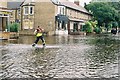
[(27, 18), (55, 17)]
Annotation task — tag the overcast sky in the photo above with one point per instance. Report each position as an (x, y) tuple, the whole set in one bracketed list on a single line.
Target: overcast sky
[(81, 1)]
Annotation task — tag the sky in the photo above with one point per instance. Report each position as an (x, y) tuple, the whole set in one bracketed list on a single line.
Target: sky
[(82, 2)]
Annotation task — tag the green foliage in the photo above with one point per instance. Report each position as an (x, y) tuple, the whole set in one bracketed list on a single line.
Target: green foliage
[(88, 27), (119, 24), (108, 26), (14, 27), (94, 23), (91, 26), (102, 12), (97, 30), (114, 25)]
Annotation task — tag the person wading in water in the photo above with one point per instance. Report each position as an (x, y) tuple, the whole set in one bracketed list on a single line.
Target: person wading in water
[(39, 35)]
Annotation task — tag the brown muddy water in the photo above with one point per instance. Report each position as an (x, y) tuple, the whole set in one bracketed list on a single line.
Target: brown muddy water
[(63, 57)]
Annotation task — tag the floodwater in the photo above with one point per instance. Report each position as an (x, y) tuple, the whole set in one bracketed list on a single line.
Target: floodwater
[(72, 56)]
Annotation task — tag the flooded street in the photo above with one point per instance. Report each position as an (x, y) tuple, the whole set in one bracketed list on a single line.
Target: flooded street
[(69, 56)]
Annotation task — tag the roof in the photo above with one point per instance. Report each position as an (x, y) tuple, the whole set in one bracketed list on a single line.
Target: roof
[(65, 3), (27, 3), (70, 5), (13, 5), (73, 6)]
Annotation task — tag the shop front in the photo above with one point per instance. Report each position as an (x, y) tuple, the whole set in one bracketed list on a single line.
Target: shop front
[(75, 26), (61, 24), (4, 21)]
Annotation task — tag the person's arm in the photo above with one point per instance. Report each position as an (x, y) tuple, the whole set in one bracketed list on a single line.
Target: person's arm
[(35, 32)]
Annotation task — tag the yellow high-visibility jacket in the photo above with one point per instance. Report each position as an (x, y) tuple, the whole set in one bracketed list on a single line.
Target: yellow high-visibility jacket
[(37, 33)]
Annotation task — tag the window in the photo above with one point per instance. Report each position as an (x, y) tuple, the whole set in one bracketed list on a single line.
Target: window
[(26, 10), (19, 12), (61, 10), (31, 10)]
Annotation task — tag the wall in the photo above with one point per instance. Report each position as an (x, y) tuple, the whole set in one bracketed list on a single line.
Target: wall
[(45, 16), (3, 4), (12, 16)]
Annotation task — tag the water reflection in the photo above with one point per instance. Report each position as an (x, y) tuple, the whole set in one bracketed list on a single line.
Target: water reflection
[(49, 40), (106, 49)]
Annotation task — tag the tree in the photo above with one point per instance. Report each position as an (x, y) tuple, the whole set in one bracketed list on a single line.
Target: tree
[(116, 5), (102, 12)]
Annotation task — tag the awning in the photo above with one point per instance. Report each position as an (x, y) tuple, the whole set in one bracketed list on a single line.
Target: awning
[(5, 11), (62, 18)]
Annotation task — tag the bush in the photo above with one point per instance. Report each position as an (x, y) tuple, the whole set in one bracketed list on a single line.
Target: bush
[(114, 25), (14, 27), (97, 30), (88, 27)]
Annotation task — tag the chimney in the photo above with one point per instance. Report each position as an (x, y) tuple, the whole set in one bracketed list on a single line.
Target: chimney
[(77, 2)]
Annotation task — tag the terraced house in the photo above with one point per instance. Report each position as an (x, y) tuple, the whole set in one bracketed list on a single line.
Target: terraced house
[(55, 17), (15, 11)]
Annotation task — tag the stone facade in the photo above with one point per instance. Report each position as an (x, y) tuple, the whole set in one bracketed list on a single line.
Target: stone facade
[(15, 15), (45, 16), (27, 17)]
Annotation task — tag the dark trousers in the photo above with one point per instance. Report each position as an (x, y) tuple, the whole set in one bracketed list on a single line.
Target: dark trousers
[(38, 38)]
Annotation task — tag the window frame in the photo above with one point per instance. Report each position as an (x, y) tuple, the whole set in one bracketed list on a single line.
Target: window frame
[(30, 10), (61, 10), (25, 10)]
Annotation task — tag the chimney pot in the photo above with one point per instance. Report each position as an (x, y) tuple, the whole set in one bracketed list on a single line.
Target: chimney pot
[(77, 2)]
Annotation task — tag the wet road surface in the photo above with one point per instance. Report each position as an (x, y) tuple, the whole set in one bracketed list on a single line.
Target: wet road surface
[(63, 57)]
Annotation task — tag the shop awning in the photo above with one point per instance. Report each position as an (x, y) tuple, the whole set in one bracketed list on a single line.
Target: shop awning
[(62, 18), (5, 11)]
